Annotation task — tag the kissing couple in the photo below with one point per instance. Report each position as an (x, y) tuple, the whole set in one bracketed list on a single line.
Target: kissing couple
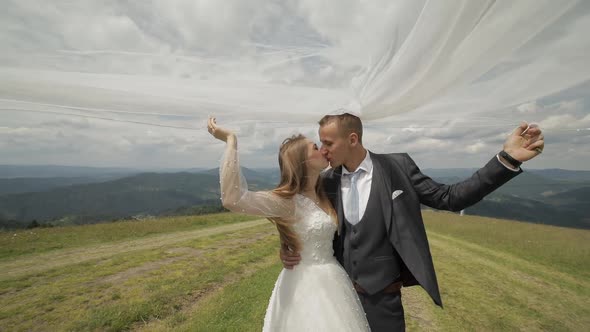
[(352, 235)]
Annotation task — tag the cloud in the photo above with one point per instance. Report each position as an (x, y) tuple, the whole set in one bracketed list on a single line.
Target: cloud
[(476, 147), (531, 107), (566, 121), (571, 105), (131, 83)]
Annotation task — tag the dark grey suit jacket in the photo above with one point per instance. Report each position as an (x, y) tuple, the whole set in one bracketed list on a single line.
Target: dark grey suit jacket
[(403, 218)]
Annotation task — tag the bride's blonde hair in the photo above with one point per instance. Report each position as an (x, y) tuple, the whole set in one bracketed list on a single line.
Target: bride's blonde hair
[(292, 158)]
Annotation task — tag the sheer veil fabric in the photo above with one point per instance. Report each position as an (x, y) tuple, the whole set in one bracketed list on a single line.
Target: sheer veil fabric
[(293, 61)]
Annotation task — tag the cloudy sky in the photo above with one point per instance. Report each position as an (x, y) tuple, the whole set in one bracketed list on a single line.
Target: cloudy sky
[(131, 83)]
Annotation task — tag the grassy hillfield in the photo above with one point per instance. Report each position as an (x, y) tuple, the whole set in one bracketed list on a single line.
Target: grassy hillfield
[(216, 273)]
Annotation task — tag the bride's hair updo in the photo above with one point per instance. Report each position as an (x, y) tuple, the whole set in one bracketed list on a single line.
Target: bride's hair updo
[(292, 158)]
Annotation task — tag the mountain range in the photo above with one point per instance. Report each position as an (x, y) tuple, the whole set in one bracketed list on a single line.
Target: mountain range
[(83, 195)]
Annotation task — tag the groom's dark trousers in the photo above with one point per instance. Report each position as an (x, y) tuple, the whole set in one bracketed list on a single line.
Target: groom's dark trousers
[(384, 311), (388, 246)]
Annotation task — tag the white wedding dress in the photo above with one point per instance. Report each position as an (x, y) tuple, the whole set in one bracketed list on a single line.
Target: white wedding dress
[(316, 295)]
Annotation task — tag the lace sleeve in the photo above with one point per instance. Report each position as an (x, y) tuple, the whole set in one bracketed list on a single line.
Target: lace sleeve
[(236, 197)]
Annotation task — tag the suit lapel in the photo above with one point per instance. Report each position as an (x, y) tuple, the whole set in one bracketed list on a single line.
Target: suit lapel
[(380, 175), (339, 207)]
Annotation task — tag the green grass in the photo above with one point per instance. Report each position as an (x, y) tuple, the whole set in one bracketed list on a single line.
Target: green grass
[(493, 275), (38, 240), (498, 275), (130, 288), (238, 306), (563, 249), (115, 292)]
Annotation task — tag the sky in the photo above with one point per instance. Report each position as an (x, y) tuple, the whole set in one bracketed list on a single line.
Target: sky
[(131, 84)]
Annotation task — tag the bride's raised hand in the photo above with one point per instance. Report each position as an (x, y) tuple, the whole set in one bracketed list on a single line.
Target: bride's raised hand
[(218, 132)]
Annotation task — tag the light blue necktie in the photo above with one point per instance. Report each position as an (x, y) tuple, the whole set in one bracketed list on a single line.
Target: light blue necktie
[(353, 201)]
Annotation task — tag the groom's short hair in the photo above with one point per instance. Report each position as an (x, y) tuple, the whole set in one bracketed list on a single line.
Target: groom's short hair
[(347, 124)]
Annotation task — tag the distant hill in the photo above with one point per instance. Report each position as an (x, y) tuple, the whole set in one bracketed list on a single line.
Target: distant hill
[(147, 193), (552, 173), (270, 176), (47, 171), (534, 186), (581, 196), (528, 184), (25, 185), (553, 197), (563, 174), (60, 171), (570, 213)]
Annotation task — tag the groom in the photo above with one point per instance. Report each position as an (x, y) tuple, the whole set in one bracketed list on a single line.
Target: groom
[(381, 241)]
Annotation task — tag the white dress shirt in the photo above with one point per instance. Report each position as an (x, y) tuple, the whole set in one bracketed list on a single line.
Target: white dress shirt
[(363, 184)]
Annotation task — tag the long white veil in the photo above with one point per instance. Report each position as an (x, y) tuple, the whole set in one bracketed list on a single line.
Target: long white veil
[(266, 61)]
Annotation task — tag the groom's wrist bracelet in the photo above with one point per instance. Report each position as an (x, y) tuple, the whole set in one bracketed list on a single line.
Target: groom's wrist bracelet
[(509, 159)]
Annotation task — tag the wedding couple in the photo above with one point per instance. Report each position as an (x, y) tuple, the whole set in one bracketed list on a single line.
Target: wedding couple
[(353, 235)]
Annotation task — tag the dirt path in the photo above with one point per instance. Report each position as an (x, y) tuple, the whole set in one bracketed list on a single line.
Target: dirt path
[(42, 262), (192, 305), (419, 310), (183, 254)]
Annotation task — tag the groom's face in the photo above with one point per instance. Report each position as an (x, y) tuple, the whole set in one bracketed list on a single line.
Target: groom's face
[(334, 145)]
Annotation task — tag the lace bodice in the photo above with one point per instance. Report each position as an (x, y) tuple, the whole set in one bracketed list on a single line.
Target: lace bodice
[(313, 226), (315, 230)]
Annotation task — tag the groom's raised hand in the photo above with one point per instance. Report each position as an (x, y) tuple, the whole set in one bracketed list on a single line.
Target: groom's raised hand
[(288, 257), (525, 142)]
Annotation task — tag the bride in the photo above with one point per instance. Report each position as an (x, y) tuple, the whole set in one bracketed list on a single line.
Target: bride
[(317, 294)]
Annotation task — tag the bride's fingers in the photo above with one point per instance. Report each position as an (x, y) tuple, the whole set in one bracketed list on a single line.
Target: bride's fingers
[(211, 125)]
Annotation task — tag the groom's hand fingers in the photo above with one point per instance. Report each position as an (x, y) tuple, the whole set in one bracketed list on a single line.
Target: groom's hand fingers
[(537, 146), (289, 265), (289, 258), (534, 130), (533, 140), (521, 129)]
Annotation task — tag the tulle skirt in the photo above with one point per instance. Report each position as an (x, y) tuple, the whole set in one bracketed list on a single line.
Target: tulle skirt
[(318, 297)]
